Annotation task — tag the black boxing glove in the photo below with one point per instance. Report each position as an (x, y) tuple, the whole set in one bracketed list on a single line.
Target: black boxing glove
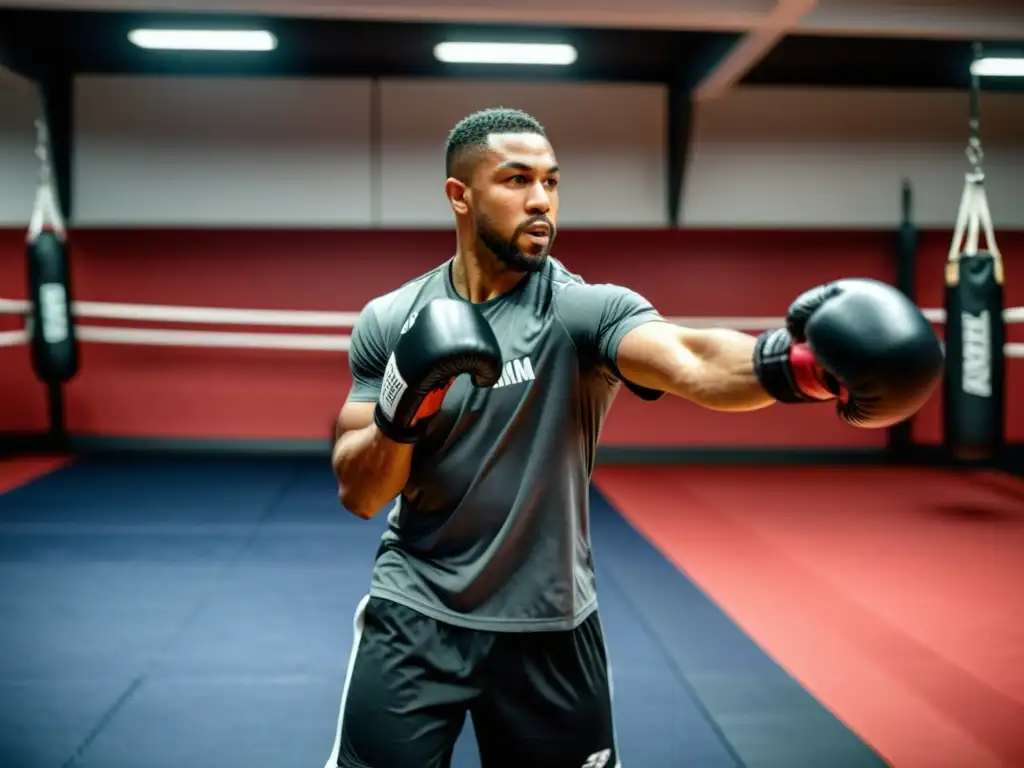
[(447, 338), (861, 342)]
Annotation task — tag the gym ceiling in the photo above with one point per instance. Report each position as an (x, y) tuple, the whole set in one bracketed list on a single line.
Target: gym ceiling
[(704, 46)]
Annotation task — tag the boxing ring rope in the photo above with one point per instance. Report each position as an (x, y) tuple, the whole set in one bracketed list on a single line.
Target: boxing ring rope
[(282, 318)]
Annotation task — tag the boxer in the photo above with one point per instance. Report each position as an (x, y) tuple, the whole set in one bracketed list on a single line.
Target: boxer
[(479, 391)]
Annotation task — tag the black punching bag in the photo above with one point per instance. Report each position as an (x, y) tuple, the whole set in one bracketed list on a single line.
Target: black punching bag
[(53, 341), (974, 395)]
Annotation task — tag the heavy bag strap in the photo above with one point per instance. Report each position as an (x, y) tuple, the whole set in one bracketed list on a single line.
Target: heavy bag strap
[(46, 215), (974, 216)]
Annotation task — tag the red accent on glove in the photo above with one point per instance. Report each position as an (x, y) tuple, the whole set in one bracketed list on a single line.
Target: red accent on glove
[(432, 402), (808, 374)]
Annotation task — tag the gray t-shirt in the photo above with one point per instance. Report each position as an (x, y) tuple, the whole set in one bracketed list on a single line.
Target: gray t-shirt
[(492, 530)]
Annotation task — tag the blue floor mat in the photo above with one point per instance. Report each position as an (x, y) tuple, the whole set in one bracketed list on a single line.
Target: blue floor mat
[(170, 612)]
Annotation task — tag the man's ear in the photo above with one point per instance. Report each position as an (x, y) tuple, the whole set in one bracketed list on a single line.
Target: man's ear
[(458, 195)]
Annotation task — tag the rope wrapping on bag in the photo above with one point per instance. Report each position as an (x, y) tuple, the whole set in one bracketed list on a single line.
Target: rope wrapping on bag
[(50, 325), (974, 387)]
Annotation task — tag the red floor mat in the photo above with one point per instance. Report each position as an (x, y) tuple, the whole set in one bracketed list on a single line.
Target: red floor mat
[(893, 595), (20, 470)]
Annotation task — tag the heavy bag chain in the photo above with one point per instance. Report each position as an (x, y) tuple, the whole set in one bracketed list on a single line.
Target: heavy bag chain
[(974, 212), (46, 213)]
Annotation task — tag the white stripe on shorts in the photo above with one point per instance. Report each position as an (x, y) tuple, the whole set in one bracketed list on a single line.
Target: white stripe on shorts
[(357, 634)]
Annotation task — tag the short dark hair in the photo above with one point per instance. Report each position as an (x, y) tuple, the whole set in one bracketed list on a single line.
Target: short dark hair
[(472, 131)]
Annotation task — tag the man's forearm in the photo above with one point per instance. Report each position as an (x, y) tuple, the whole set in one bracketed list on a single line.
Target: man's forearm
[(371, 470), (723, 378)]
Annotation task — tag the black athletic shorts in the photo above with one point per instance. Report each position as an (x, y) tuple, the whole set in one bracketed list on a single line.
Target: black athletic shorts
[(538, 699)]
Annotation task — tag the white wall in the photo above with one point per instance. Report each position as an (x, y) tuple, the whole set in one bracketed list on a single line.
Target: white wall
[(211, 151), (19, 108), (286, 152), (283, 152), (836, 158)]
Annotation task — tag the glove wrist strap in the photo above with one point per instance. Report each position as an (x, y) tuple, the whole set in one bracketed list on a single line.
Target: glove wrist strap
[(392, 431), (773, 365), (807, 374)]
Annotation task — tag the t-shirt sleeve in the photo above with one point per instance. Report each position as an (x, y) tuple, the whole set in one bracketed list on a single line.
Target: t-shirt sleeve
[(597, 317), (367, 356)]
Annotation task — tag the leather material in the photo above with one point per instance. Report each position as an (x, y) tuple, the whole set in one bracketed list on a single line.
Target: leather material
[(874, 347), (447, 338)]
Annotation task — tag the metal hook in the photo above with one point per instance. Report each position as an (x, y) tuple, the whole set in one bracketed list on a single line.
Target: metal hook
[(975, 153)]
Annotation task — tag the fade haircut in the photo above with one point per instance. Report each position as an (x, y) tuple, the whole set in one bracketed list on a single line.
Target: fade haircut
[(471, 133)]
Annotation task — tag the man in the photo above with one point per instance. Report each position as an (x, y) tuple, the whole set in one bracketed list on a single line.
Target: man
[(482, 598)]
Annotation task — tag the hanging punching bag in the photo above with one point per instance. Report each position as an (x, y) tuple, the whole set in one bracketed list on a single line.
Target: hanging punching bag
[(52, 330), (53, 342), (973, 394)]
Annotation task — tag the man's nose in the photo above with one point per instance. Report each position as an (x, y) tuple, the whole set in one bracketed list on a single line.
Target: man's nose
[(539, 201)]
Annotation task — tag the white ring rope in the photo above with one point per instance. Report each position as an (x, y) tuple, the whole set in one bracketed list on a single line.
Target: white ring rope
[(103, 310), (14, 307), (285, 318), (13, 338), (155, 313), (223, 339)]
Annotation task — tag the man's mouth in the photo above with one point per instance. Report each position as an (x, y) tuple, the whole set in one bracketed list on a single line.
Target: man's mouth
[(539, 232)]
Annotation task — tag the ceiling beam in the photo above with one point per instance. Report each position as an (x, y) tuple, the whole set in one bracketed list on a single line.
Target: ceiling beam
[(943, 19), (752, 48), (948, 19), (697, 15)]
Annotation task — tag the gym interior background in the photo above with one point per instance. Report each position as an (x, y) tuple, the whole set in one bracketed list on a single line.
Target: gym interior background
[(781, 589)]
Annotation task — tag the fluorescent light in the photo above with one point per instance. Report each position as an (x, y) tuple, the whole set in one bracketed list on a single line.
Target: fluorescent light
[(998, 67), (505, 53), (204, 39)]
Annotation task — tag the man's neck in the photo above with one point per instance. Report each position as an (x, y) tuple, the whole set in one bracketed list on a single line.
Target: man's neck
[(478, 278)]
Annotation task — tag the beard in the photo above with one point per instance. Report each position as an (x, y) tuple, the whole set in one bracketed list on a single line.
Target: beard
[(508, 252)]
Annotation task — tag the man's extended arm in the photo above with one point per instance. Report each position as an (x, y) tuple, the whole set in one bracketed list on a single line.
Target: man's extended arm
[(859, 343), (713, 368)]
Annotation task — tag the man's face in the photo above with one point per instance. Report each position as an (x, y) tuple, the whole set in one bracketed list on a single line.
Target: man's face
[(515, 200)]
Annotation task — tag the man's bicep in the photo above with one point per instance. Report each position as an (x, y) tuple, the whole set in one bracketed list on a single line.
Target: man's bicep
[(625, 311), (654, 356), (354, 415)]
